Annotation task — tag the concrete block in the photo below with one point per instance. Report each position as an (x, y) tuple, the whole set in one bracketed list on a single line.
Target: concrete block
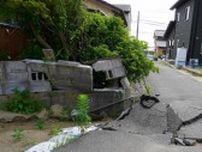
[(40, 86), (14, 67), (125, 83), (113, 68), (78, 77)]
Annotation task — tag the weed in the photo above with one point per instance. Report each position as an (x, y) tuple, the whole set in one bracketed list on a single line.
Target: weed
[(17, 134), (82, 118), (40, 124), (55, 131), (72, 139), (22, 102), (147, 87)]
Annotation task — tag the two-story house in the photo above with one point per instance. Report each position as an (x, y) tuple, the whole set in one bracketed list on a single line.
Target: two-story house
[(159, 42), (188, 27), (122, 10)]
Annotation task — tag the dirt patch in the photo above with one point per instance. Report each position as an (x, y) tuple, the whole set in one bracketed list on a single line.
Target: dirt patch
[(32, 135)]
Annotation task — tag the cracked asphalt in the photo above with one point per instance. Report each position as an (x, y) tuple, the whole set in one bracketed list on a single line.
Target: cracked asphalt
[(144, 129)]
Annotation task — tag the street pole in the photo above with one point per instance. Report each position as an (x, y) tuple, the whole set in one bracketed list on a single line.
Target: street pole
[(138, 23)]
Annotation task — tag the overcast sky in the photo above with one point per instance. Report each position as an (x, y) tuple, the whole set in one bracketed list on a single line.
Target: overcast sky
[(154, 14)]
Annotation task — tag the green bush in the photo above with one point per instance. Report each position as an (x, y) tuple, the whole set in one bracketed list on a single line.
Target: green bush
[(82, 118), (22, 102)]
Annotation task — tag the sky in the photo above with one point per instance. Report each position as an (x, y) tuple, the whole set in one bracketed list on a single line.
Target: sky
[(154, 14)]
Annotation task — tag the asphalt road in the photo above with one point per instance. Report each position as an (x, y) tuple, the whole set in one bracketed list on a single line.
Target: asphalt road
[(175, 85), (142, 130)]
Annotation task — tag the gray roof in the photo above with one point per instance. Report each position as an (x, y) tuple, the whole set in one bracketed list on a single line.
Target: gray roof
[(124, 7), (178, 4), (159, 33)]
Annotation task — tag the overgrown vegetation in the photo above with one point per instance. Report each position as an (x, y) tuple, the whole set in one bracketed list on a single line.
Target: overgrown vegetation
[(17, 134), (82, 117), (75, 34), (22, 102)]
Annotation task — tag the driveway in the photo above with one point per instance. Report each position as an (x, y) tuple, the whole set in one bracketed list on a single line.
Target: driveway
[(144, 130)]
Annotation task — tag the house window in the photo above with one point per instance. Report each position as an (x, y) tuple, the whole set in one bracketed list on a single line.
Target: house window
[(178, 17), (173, 42), (187, 13), (170, 44)]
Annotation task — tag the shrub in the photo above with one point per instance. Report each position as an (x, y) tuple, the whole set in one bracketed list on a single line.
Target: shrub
[(22, 102), (82, 118), (17, 134), (40, 124)]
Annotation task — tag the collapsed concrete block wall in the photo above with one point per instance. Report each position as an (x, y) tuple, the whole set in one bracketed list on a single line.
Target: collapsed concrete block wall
[(61, 82), (40, 76), (62, 75)]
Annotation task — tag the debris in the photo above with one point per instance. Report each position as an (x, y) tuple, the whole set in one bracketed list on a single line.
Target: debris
[(56, 111), (189, 142), (66, 136), (179, 141), (182, 141)]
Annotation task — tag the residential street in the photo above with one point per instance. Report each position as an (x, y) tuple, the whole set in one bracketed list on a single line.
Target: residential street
[(143, 130)]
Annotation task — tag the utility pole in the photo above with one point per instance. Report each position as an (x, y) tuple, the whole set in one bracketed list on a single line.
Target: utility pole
[(138, 23)]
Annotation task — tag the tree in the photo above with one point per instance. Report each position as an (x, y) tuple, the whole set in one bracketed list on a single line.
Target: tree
[(104, 37), (52, 23), (75, 34)]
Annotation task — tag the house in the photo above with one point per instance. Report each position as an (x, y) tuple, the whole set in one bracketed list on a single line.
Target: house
[(188, 28), (12, 40), (159, 42), (123, 11), (169, 36), (127, 13)]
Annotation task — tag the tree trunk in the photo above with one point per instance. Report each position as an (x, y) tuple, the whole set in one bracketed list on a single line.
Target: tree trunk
[(40, 39), (64, 43)]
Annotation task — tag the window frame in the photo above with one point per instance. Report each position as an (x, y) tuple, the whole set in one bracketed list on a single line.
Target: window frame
[(187, 13), (178, 16)]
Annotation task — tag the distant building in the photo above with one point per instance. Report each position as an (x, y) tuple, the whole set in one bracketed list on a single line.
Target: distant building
[(123, 11), (188, 28), (159, 42)]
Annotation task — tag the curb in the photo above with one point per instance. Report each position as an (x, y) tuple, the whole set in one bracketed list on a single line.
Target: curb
[(189, 70), (168, 64), (193, 72)]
